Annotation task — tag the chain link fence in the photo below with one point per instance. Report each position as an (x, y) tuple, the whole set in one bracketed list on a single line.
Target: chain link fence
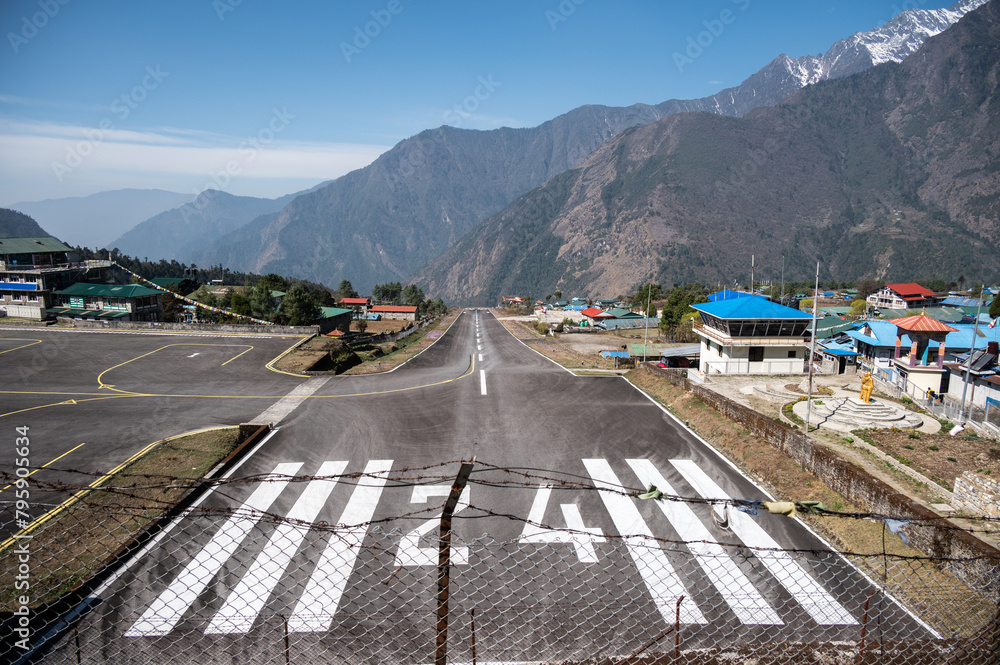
[(248, 587)]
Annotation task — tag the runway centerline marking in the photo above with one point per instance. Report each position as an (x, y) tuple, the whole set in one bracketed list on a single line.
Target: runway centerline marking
[(482, 381)]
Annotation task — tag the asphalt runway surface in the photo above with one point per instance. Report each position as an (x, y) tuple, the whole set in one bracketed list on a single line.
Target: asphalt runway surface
[(92, 399), (376, 455)]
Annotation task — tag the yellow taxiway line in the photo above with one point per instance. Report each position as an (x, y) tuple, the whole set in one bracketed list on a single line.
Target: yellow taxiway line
[(46, 464), (94, 485)]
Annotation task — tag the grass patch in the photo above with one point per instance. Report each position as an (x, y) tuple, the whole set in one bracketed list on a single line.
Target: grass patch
[(74, 544), (393, 354)]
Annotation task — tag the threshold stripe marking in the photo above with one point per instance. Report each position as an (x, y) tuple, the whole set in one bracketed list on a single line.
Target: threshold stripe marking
[(661, 580), (161, 617), (317, 605), (816, 600), (736, 589), (248, 597)]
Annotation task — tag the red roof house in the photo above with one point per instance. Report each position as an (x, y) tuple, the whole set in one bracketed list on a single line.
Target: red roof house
[(398, 312)]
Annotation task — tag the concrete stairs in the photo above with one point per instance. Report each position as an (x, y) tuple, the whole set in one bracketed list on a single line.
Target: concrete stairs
[(855, 414)]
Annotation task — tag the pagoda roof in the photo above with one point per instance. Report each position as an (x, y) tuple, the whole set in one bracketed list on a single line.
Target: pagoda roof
[(922, 323)]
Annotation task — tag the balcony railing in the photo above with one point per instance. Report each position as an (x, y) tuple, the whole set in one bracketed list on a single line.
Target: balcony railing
[(790, 366), (75, 265), (724, 339)]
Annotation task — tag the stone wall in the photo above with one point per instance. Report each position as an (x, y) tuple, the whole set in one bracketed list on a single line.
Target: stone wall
[(191, 327), (978, 494)]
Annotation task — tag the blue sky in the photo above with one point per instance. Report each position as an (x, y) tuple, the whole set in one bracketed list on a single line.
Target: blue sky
[(265, 98)]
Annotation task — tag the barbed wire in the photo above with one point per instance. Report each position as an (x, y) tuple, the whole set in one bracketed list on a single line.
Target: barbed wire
[(415, 476)]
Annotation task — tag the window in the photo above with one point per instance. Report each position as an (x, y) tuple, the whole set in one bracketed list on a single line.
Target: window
[(791, 354), (756, 354)]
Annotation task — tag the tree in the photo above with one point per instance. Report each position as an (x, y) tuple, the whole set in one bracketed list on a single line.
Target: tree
[(387, 294), (858, 307), (298, 307), (866, 287), (995, 307), (557, 295), (362, 324), (679, 303), (240, 304), (345, 290), (261, 301), (648, 292), (413, 296), (272, 282), (173, 310), (324, 298)]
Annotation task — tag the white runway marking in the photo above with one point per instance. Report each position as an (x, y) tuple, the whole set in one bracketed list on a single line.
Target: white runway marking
[(315, 609), (482, 381), (278, 411), (410, 553), (816, 600), (582, 541), (662, 582), (738, 591), (247, 599), (169, 606), (480, 357)]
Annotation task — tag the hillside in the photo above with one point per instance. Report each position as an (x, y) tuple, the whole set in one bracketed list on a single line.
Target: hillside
[(95, 220), (384, 221), (892, 172), (14, 224), (183, 231)]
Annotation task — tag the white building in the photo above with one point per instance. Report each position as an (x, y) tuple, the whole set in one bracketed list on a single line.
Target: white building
[(752, 335)]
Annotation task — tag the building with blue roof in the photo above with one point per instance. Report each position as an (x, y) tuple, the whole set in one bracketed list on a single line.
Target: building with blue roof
[(726, 294), (751, 335)]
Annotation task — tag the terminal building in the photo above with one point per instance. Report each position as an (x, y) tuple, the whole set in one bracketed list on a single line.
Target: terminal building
[(109, 302), (32, 269)]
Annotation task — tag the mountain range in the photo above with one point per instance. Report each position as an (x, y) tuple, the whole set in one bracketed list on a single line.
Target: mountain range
[(96, 220), (893, 172), (387, 220), (182, 232)]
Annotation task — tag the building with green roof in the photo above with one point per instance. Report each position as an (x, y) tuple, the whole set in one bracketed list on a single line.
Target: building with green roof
[(108, 302), (31, 269)]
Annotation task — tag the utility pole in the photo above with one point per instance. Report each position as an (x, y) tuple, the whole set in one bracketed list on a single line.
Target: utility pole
[(812, 350), (968, 365), (751, 273), (782, 279), (645, 339)]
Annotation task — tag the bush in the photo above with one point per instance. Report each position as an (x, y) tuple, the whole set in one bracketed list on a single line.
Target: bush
[(542, 328)]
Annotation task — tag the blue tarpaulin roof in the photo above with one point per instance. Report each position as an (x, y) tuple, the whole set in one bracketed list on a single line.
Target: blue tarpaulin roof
[(749, 308), (726, 294)]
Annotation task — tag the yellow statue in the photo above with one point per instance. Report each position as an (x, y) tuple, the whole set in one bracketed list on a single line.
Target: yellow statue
[(867, 385)]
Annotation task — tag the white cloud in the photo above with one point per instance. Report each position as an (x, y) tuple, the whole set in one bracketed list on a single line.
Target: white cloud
[(40, 160)]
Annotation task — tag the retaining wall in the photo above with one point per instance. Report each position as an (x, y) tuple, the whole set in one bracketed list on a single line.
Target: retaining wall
[(191, 327), (978, 493), (936, 536)]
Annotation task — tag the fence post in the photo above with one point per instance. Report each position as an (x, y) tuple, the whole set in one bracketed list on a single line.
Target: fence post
[(444, 561), (677, 631)]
